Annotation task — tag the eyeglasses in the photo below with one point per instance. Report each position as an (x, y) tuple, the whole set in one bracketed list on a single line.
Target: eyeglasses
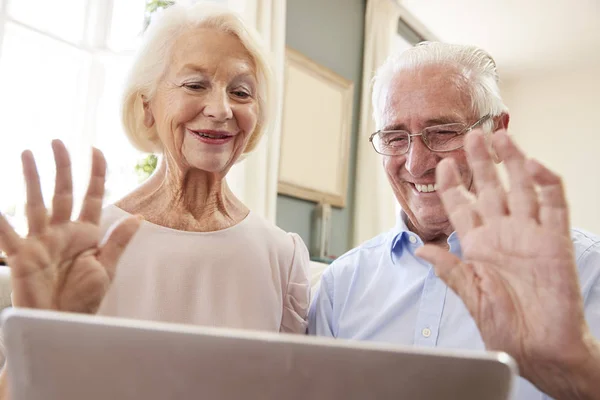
[(439, 138)]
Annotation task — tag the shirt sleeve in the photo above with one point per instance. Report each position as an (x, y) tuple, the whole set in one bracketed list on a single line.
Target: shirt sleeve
[(589, 273), (296, 298), (589, 267), (320, 317)]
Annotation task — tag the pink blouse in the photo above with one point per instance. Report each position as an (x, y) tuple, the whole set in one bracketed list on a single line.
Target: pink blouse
[(252, 275)]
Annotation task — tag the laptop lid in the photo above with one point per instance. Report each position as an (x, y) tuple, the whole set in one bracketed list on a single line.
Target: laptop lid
[(62, 356)]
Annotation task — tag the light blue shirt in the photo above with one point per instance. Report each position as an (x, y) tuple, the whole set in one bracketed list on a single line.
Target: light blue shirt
[(381, 291)]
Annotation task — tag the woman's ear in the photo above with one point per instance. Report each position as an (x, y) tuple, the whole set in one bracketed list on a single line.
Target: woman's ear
[(148, 116)]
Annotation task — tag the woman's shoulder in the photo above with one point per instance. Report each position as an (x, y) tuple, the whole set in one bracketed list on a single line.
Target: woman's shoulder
[(111, 214), (258, 224), (285, 242)]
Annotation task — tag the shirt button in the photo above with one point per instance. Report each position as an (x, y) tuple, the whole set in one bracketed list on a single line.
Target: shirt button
[(426, 332), (412, 239)]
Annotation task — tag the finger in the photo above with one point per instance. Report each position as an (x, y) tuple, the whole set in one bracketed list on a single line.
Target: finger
[(62, 202), (91, 209), (458, 202), (37, 217), (553, 207), (522, 199), (117, 241), (459, 276), (491, 197), (9, 239)]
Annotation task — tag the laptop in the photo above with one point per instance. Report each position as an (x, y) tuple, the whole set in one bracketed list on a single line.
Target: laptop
[(63, 356)]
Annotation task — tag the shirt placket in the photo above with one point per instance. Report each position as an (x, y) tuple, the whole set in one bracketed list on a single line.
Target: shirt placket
[(429, 316)]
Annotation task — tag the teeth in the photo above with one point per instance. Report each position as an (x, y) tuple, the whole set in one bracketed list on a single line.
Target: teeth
[(426, 188), (211, 136)]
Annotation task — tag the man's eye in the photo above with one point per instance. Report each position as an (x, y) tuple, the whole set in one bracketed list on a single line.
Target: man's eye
[(193, 86), (445, 131), (394, 140)]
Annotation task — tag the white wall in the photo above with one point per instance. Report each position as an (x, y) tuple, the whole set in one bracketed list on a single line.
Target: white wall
[(555, 118)]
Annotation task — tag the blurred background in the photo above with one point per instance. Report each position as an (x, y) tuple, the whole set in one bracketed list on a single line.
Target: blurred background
[(62, 64)]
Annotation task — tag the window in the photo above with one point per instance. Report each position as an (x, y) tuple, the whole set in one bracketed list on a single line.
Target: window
[(61, 75)]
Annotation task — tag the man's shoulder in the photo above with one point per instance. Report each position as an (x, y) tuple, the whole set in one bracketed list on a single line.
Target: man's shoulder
[(587, 257), (585, 243)]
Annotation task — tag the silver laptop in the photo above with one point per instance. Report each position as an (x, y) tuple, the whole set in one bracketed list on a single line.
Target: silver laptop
[(59, 356)]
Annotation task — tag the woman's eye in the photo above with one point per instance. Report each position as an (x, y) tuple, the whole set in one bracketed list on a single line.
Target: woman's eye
[(241, 94)]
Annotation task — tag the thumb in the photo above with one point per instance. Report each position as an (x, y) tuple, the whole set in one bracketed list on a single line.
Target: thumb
[(117, 241)]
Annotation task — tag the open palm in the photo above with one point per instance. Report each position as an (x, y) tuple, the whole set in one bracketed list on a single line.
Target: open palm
[(518, 276), (510, 293), (61, 264)]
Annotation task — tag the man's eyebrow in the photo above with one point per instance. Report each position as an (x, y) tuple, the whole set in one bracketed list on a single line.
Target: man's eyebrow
[(443, 120), (395, 127)]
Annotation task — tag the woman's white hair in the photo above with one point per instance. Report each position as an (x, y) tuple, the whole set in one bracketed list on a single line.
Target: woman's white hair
[(476, 66), (152, 59)]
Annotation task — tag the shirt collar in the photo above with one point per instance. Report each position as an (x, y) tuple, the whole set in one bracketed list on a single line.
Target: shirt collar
[(401, 235)]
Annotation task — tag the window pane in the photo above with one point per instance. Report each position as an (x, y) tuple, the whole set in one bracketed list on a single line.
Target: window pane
[(65, 18), (120, 155), (40, 99), (126, 25)]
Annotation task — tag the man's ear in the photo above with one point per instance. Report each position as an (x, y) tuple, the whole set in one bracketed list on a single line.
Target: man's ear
[(500, 122), (148, 116)]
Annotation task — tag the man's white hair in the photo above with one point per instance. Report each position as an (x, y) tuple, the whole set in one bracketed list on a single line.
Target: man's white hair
[(154, 54), (477, 67)]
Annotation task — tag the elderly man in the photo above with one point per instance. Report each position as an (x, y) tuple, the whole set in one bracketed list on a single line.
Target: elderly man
[(519, 277)]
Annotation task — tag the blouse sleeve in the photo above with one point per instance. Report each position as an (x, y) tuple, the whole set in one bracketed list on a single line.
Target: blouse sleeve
[(296, 299)]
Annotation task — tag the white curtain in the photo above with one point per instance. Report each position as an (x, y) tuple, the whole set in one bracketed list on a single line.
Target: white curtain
[(254, 180), (374, 203)]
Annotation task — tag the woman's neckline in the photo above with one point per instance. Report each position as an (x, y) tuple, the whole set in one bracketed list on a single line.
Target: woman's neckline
[(155, 226)]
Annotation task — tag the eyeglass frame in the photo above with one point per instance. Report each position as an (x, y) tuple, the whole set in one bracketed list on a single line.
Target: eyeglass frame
[(411, 135)]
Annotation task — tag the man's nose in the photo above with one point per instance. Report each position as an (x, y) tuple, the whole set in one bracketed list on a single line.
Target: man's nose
[(419, 159)]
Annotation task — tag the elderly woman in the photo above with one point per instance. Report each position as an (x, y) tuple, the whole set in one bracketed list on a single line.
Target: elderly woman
[(198, 94)]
